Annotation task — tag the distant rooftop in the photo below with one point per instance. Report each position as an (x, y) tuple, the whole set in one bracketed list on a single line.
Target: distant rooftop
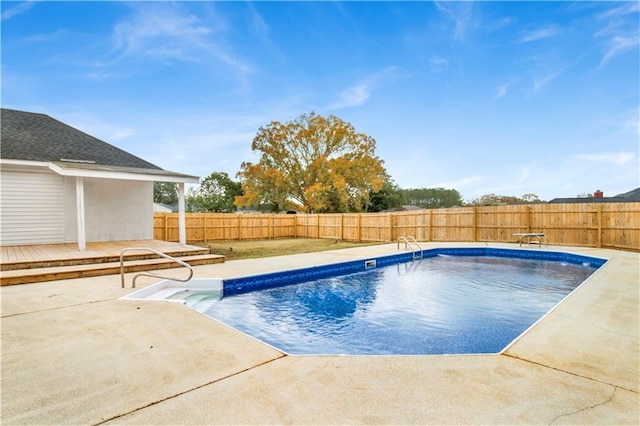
[(627, 197)]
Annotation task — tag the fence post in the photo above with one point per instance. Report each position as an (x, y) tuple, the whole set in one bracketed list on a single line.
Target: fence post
[(391, 217), (430, 225), (239, 227), (475, 224), (166, 227), (270, 227), (599, 245), (528, 218), (341, 226)]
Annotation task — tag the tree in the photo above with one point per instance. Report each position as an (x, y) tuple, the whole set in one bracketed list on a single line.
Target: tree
[(320, 163), (494, 200), (390, 196), (165, 193), (531, 198), (432, 198), (217, 193)]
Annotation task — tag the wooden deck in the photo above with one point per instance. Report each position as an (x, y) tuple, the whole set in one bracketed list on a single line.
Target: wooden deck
[(70, 252), (49, 262)]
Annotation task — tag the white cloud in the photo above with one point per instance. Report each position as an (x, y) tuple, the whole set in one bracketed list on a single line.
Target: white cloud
[(539, 34), (150, 23), (461, 183), (359, 93), (122, 134), (525, 172), (620, 30), (438, 63), (541, 81), (352, 96), (501, 91), (614, 158), (461, 13), (625, 9), (17, 10), (618, 45), (257, 25), (633, 122), (182, 36)]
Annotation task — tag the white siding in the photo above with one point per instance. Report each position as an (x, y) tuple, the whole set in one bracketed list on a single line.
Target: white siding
[(38, 206), (31, 207), (70, 213), (114, 210)]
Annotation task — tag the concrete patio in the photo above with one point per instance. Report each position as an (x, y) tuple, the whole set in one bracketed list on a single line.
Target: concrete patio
[(74, 353)]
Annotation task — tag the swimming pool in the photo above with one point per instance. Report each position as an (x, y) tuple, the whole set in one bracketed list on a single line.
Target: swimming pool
[(454, 301)]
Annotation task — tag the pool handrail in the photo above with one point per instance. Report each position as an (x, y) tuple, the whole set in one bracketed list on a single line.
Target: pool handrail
[(151, 274), (408, 243)]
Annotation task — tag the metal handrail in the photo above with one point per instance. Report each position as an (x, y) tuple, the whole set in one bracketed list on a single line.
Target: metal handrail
[(151, 274), (408, 244)]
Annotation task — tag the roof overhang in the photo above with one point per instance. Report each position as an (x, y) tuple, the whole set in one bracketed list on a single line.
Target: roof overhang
[(108, 172), (114, 172)]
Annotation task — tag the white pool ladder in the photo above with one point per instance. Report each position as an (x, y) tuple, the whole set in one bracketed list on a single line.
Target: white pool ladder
[(151, 274), (410, 242)]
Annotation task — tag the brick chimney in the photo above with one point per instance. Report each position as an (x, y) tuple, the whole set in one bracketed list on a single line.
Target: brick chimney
[(598, 194)]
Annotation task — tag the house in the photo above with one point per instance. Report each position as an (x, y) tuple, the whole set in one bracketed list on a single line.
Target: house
[(632, 196), (59, 185)]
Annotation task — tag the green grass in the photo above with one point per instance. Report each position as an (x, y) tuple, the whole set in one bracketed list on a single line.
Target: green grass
[(253, 249)]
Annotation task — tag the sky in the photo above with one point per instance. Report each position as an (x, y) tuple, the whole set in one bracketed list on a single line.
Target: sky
[(509, 98)]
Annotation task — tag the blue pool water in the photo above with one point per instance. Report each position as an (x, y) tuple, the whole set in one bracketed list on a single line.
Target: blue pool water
[(438, 305)]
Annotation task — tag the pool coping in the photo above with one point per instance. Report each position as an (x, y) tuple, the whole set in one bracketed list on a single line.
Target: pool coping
[(577, 364)]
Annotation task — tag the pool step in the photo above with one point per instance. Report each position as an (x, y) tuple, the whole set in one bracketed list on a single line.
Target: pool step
[(53, 273), (204, 304)]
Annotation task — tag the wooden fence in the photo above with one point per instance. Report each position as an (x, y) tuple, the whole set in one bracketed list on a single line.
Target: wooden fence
[(614, 225)]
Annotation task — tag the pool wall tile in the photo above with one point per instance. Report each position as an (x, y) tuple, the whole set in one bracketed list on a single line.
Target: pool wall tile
[(278, 279)]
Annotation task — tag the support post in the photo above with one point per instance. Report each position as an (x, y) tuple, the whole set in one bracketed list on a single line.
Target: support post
[(182, 227), (82, 236)]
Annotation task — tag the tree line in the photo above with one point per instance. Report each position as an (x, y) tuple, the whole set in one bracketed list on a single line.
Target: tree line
[(315, 164)]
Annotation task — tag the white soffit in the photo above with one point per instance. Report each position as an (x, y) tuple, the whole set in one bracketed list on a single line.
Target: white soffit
[(81, 169)]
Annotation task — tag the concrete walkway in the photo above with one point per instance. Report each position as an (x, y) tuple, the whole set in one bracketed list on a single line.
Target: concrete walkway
[(73, 353)]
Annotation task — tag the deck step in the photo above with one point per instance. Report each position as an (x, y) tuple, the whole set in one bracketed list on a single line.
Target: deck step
[(91, 260), (53, 273)]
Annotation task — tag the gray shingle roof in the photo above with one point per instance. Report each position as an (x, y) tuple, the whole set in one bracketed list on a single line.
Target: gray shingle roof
[(38, 137), (633, 195), (627, 197)]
